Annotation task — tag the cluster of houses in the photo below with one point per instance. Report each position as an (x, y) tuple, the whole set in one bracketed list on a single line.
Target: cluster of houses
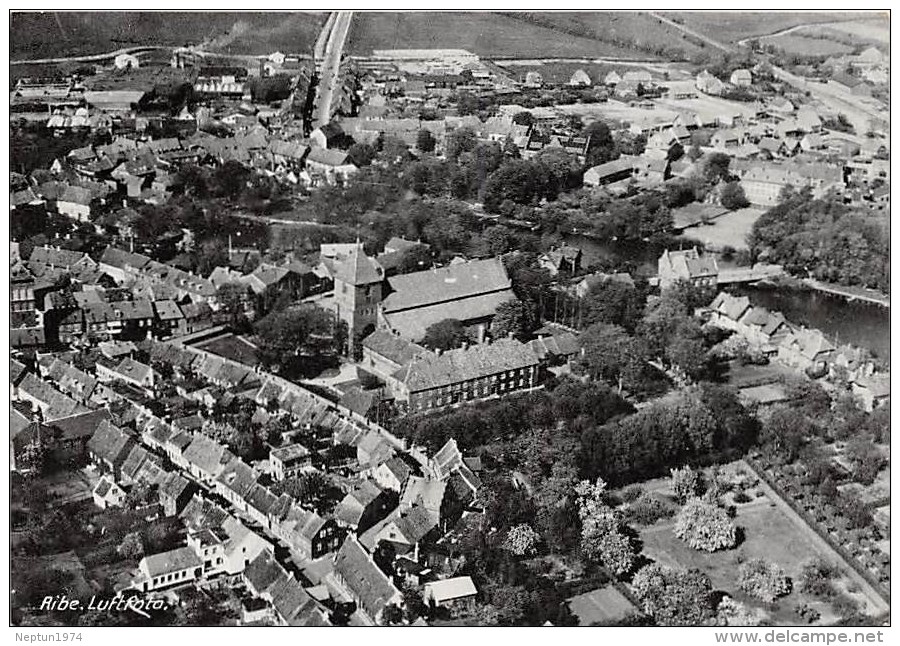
[(808, 350), (235, 516)]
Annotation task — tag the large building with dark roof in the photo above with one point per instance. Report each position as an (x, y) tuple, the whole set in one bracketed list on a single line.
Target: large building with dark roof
[(465, 374), (469, 292)]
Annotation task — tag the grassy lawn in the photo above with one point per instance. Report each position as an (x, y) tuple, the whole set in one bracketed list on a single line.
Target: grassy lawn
[(232, 347), (728, 230), (770, 534)]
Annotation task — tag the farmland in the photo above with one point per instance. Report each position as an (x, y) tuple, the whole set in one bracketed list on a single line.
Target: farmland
[(731, 27), (831, 38), (633, 35), (56, 34)]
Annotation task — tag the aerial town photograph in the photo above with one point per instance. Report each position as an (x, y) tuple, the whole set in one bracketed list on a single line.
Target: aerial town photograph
[(450, 318)]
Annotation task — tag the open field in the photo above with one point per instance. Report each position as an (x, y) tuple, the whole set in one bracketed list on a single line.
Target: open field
[(62, 33), (499, 35), (732, 26), (831, 38), (635, 30), (727, 230), (797, 42), (876, 31), (769, 533)]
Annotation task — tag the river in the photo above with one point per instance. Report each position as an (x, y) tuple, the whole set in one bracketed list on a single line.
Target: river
[(865, 325)]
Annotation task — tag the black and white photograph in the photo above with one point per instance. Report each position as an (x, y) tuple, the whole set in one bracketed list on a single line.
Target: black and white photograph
[(500, 317)]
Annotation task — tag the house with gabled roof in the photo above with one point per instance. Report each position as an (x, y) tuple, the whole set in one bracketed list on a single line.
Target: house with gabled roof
[(392, 474), (370, 588), (206, 458), (289, 602), (175, 491), (106, 493), (52, 403), (235, 482), (166, 569), (764, 329), (807, 350), (872, 390), (309, 535), (109, 447), (726, 310), (363, 506), (688, 264), (129, 371), (404, 529)]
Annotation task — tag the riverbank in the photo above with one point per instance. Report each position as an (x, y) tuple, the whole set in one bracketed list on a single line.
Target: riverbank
[(850, 293)]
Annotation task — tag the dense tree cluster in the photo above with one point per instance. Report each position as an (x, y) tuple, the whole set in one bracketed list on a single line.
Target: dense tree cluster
[(284, 335), (699, 423), (824, 239), (472, 426), (604, 536)]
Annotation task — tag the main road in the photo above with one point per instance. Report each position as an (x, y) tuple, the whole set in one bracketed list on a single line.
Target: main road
[(329, 67)]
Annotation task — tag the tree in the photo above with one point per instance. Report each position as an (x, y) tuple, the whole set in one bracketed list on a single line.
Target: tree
[(445, 335), (610, 354), (785, 431), (612, 301), (233, 299), (284, 334), (686, 483), (674, 597), (735, 613), (519, 181), (866, 459), (459, 141), (425, 141), (715, 167), (131, 547), (705, 526), (523, 118), (513, 318), (361, 154), (521, 540), (603, 535), (601, 147), (763, 580), (732, 196), (230, 179), (211, 254), (816, 577)]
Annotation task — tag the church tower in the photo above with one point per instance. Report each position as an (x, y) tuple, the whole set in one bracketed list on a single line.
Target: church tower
[(357, 292)]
